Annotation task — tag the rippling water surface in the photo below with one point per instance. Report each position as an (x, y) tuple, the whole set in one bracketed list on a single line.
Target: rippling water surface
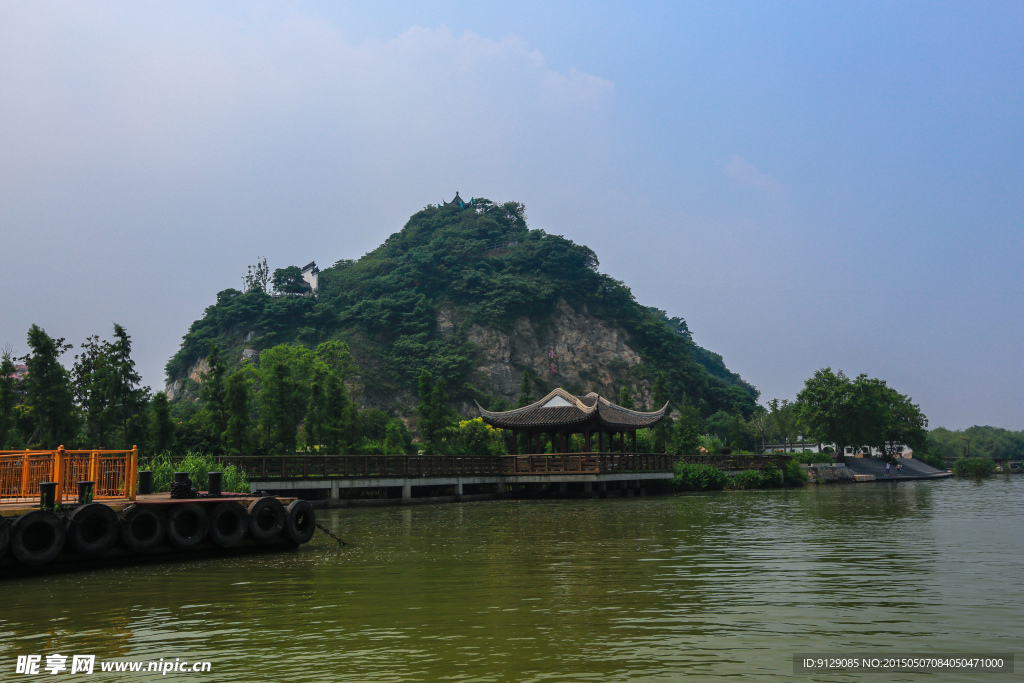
[(705, 586)]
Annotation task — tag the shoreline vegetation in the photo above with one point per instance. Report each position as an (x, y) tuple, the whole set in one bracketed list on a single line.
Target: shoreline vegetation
[(700, 477)]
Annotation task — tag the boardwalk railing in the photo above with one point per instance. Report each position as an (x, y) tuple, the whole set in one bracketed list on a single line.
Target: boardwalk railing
[(285, 467), (21, 472)]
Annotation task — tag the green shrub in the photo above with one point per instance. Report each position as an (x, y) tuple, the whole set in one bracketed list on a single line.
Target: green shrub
[(974, 467), (199, 466), (793, 474), (809, 458), (771, 477), (699, 478), (747, 479)]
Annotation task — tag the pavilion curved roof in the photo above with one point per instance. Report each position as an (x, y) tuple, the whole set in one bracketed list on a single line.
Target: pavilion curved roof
[(561, 409)]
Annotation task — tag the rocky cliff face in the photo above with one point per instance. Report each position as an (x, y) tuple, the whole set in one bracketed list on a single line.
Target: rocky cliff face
[(180, 389), (569, 349)]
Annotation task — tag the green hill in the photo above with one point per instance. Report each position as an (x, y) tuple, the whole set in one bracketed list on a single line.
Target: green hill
[(476, 297)]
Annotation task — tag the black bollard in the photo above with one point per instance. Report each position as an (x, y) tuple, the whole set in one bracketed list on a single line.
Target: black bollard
[(47, 494), (182, 486), (86, 491), (216, 486), (145, 482)]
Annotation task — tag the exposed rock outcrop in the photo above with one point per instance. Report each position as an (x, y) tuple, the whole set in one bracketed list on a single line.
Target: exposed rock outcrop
[(569, 349)]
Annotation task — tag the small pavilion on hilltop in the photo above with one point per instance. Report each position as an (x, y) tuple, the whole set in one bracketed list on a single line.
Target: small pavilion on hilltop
[(560, 413), (459, 201)]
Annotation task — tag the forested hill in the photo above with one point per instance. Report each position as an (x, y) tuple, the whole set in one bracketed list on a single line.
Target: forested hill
[(476, 297)]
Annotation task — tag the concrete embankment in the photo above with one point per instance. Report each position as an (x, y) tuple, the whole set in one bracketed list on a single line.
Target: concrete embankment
[(913, 470)]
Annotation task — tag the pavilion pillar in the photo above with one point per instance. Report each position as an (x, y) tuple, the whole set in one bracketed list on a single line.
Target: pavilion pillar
[(634, 441), (586, 440), (515, 442), (600, 441), (562, 442)]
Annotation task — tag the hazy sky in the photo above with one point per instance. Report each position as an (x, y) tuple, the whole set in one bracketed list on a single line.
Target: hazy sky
[(806, 183)]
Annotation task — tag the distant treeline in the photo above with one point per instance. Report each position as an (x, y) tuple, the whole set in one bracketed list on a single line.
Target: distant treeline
[(985, 442)]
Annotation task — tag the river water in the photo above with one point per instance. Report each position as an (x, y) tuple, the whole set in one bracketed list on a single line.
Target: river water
[(705, 586)]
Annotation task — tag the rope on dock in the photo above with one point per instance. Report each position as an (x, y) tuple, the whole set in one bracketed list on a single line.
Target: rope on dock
[(327, 531)]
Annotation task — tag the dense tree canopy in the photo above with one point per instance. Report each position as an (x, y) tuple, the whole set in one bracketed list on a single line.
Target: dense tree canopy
[(986, 442), (864, 411)]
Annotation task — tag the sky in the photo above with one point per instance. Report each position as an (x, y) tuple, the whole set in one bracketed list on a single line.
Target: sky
[(808, 184)]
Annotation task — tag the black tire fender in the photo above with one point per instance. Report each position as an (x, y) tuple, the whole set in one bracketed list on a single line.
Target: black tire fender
[(5, 535), (92, 529), (301, 524), (37, 537), (187, 525), (267, 518), (142, 528), (229, 524)]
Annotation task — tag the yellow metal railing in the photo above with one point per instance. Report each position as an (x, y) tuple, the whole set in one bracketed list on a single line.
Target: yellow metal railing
[(21, 472)]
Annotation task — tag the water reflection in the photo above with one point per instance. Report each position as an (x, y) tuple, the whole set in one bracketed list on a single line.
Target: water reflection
[(712, 584)]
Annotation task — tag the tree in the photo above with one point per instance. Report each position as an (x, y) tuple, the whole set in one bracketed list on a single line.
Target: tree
[(782, 422), (373, 424), (860, 412), (433, 411), (8, 399), (49, 391), (213, 392), (760, 422), (660, 397), (475, 437), (686, 431), (257, 276), (92, 377), (525, 391), (161, 428), (626, 398), (719, 425), (128, 400), (282, 403), (395, 438), (289, 280), (901, 422), (338, 358), (525, 399), (237, 434), (316, 415)]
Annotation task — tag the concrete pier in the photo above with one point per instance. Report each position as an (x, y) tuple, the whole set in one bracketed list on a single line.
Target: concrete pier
[(409, 490)]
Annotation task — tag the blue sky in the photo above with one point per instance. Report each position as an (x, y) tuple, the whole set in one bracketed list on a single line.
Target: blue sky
[(808, 184)]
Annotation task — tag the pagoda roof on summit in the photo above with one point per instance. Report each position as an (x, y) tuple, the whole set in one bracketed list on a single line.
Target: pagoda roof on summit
[(561, 409), (457, 201)]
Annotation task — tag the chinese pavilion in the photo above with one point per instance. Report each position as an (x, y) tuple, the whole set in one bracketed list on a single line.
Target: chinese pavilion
[(560, 413)]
